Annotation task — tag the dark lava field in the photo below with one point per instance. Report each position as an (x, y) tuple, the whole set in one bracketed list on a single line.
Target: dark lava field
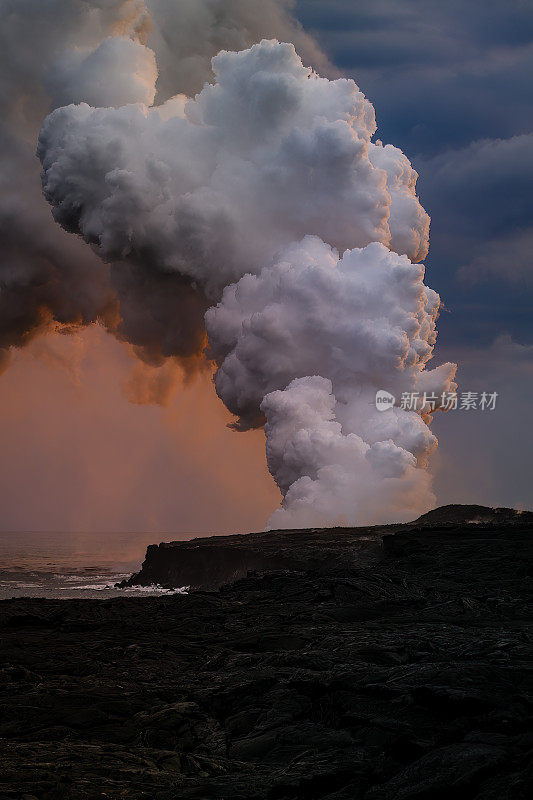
[(348, 664)]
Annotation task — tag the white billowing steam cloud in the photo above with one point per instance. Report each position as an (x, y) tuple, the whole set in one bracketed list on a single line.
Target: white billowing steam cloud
[(55, 52), (246, 194), (307, 343), (212, 187)]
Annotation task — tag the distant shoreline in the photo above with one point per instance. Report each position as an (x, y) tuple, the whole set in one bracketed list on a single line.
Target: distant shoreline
[(402, 673)]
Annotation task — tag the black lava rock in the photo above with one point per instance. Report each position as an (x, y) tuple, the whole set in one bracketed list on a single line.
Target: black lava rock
[(372, 664)]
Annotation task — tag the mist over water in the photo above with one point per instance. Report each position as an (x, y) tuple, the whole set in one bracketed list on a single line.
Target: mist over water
[(72, 565)]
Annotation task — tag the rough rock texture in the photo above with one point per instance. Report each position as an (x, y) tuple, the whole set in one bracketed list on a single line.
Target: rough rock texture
[(399, 671), (211, 562)]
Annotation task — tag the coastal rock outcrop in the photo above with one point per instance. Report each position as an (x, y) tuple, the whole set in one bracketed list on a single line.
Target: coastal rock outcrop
[(211, 562), (360, 666)]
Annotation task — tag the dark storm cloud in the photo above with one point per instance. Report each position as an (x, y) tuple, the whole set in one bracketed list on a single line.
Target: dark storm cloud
[(56, 52), (486, 185), (439, 74), (481, 237), (451, 84), (479, 198)]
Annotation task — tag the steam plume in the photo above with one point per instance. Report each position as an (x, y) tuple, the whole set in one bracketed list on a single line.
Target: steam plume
[(103, 52), (307, 343), (217, 196), (210, 188)]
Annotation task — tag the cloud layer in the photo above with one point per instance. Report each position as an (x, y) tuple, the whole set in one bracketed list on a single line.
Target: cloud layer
[(212, 198), (216, 191), (210, 188), (103, 52), (307, 344)]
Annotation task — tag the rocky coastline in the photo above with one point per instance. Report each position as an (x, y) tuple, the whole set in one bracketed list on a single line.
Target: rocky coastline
[(349, 664)]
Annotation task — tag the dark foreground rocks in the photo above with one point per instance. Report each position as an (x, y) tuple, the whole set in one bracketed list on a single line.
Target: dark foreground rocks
[(394, 672), (211, 562)]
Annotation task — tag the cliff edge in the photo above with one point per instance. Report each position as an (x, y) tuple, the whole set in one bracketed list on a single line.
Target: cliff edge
[(211, 562)]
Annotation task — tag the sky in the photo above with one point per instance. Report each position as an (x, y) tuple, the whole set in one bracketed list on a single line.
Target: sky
[(451, 86), (79, 456)]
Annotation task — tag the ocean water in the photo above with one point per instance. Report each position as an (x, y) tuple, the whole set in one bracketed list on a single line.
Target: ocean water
[(73, 565)]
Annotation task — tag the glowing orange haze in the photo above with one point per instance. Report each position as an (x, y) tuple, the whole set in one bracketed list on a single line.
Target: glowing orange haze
[(77, 455)]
